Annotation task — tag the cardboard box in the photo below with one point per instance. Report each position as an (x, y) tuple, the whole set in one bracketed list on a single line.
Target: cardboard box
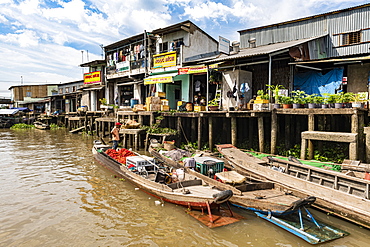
[(160, 94), (153, 100), (199, 108), (260, 107), (154, 107), (165, 107), (164, 101)]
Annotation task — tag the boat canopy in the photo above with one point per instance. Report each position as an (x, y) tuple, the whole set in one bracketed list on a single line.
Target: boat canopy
[(8, 111)]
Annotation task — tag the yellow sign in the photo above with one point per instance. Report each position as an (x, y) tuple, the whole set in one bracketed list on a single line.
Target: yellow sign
[(196, 69), (92, 77), (164, 60), (154, 80)]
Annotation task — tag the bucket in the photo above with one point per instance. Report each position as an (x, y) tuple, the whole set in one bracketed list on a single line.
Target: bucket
[(134, 102)]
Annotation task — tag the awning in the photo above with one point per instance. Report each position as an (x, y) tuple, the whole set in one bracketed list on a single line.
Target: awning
[(92, 88), (262, 50), (8, 111), (336, 60), (130, 83), (166, 78)]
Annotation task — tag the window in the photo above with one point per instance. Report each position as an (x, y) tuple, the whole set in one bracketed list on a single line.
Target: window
[(67, 89), (74, 88), (60, 90), (163, 47), (351, 38), (28, 94)]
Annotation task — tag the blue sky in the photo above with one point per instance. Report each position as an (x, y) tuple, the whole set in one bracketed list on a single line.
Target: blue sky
[(41, 41)]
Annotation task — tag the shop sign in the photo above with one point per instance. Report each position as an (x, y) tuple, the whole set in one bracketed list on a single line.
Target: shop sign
[(162, 79), (196, 69), (224, 45), (123, 66), (164, 60), (92, 77), (192, 70)]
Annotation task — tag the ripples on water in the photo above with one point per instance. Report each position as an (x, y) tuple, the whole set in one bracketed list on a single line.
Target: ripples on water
[(53, 193)]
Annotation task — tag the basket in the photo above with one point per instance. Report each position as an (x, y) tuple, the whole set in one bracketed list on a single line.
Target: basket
[(168, 145)]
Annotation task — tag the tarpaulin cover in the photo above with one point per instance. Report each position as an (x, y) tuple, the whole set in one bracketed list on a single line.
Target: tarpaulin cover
[(314, 82), (24, 109)]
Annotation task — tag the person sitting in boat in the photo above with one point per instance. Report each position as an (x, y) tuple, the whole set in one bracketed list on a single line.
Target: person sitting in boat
[(115, 135)]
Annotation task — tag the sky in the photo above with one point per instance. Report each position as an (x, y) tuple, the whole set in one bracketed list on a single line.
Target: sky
[(45, 41)]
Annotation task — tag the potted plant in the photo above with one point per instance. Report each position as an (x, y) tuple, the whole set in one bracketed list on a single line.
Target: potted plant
[(329, 100), (358, 100), (213, 105), (318, 100), (274, 89), (311, 100), (298, 97), (286, 101), (347, 99), (262, 97), (104, 103)]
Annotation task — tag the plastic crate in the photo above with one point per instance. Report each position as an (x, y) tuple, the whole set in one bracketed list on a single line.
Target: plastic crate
[(140, 161), (203, 164)]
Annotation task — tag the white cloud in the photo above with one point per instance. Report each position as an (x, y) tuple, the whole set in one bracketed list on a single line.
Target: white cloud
[(23, 38)]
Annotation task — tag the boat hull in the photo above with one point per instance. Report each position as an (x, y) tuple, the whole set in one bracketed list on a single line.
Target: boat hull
[(154, 189), (345, 205), (247, 200)]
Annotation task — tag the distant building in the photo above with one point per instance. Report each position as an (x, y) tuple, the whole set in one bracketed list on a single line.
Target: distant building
[(35, 97)]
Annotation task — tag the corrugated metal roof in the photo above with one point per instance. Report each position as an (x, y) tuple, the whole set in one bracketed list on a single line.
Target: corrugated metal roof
[(309, 17), (335, 60), (262, 50)]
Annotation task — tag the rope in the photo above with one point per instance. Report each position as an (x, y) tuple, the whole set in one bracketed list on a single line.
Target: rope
[(183, 132)]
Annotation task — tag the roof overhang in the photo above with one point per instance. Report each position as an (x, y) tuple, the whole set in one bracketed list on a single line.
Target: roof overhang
[(92, 88), (273, 49), (335, 61), (130, 83)]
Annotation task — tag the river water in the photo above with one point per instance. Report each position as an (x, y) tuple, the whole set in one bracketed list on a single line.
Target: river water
[(53, 193)]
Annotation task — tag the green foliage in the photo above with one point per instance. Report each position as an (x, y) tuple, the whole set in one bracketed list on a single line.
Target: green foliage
[(154, 129), (55, 126), (299, 97), (213, 102), (103, 101), (286, 100), (275, 91), (333, 152), (262, 94), (22, 126)]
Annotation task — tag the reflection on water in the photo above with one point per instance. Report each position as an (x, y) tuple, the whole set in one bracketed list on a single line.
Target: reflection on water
[(53, 193)]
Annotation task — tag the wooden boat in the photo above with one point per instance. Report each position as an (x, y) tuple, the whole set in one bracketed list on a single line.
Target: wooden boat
[(41, 125), (268, 200), (335, 192), (188, 191)]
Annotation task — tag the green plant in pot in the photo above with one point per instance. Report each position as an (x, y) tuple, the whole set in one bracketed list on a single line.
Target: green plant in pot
[(310, 100), (213, 104), (358, 100), (286, 101), (299, 98), (274, 89), (261, 95)]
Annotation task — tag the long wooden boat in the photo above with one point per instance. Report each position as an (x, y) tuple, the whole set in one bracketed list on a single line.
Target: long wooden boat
[(41, 125), (336, 193), (259, 196), (267, 199), (189, 191)]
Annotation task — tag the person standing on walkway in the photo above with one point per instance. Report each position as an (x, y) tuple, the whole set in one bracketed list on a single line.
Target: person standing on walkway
[(115, 135)]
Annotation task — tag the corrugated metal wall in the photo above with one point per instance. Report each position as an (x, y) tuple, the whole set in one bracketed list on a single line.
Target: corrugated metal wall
[(332, 24)]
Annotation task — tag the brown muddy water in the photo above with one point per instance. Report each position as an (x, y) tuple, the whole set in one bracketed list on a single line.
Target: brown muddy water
[(53, 193)]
